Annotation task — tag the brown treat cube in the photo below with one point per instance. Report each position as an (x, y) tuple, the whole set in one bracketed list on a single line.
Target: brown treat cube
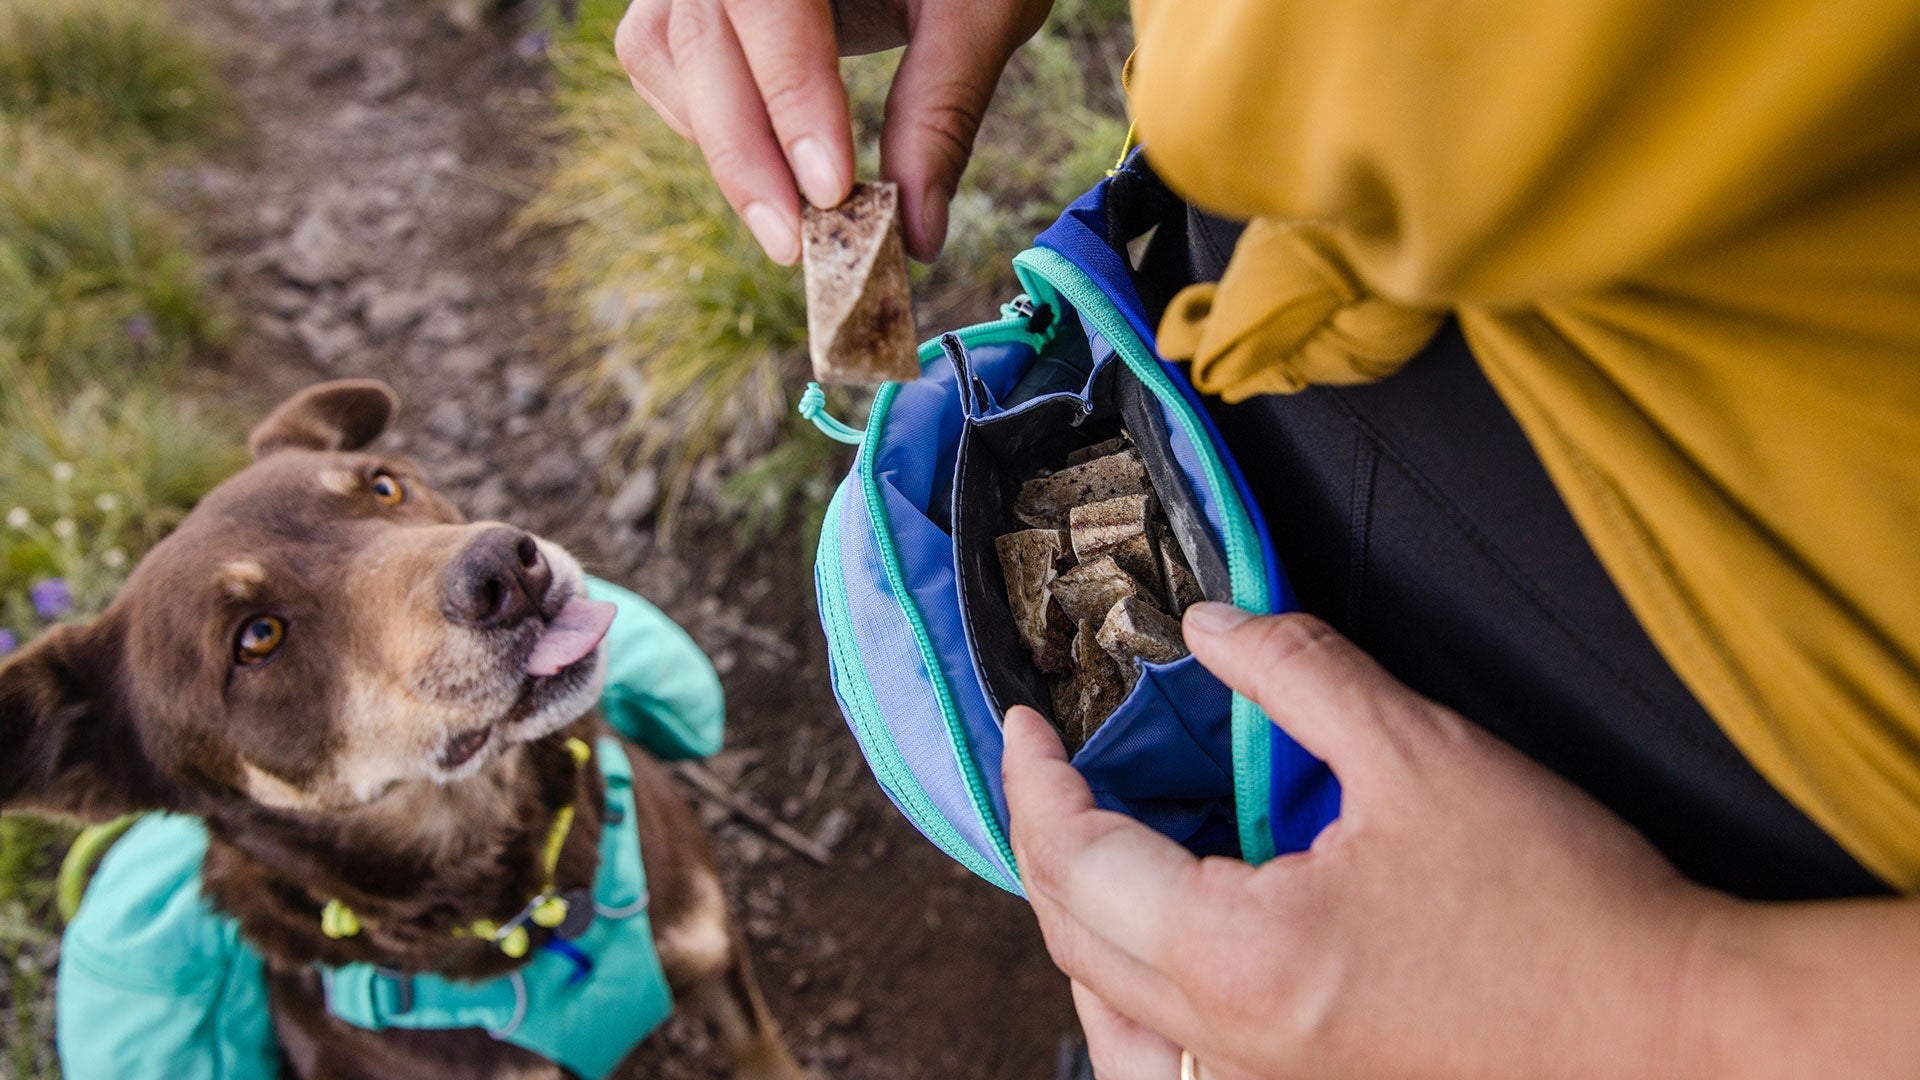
[(1120, 444), (1065, 690), (1100, 685), (859, 309), (1138, 630), (1119, 528), (1045, 501), (1088, 591), (1031, 560), (1183, 589)]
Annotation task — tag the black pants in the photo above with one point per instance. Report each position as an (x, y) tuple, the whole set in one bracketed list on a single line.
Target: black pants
[(1413, 515)]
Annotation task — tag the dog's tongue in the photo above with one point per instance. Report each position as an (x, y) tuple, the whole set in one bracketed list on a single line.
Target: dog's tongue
[(571, 635)]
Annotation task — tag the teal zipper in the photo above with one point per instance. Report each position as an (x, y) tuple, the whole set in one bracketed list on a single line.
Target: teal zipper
[(1016, 316), (856, 691), (1014, 327), (1041, 269)]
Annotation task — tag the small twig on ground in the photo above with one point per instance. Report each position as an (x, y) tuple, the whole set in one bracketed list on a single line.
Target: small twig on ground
[(705, 782)]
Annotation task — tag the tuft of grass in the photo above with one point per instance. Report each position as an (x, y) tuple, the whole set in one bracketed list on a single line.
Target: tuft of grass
[(95, 278), (113, 70), (90, 479), (682, 321), (681, 317)]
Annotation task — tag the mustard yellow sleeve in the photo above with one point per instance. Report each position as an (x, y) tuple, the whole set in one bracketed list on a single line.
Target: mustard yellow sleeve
[(1506, 151), (1683, 242)]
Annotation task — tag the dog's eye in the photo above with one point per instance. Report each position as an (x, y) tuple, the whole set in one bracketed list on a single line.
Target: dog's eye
[(259, 637), (387, 490)]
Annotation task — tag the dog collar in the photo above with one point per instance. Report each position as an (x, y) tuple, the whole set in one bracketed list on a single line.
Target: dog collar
[(547, 909)]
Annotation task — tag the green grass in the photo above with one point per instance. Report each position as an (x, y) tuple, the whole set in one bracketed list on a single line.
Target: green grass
[(683, 322), (121, 71), (95, 278)]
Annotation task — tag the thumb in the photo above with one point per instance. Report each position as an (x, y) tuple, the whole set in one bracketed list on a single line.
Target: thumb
[(939, 96), (1333, 699)]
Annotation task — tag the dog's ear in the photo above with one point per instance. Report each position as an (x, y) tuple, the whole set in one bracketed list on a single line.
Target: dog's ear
[(343, 415), (67, 745)]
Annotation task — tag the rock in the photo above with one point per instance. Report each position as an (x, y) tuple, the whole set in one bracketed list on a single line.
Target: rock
[(448, 419), (799, 979), (387, 73), (518, 427), (638, 496), (445, 326), (316, 253), (1030, 560), (392, 311), (460, 472), (328, 338), (468, 363), (1118, 528), (287, 299), (555, 470), (1046, 501), (447, 287), (845, 1012), (859, 308), (1136, 630), (526, 389), (833, 827), (489, 501)]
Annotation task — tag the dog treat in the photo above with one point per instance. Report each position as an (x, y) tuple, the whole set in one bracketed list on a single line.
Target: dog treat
[(1118, 528), (1136, 630), (1092, 579), (1088, 591), (1031, 560), (1119, 444), (859, 310), (1183, 589), (1045, 501), (1083, 701)]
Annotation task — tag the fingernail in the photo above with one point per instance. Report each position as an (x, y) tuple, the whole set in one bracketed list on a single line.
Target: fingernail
[(933, 218), (820, 179), (774, 231), (1210, 617)]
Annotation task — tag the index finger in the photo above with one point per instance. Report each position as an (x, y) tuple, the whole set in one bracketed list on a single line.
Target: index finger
[(1108, 872), (795, 60)]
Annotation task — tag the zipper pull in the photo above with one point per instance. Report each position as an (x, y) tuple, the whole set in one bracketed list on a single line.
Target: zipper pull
[(813, 407)]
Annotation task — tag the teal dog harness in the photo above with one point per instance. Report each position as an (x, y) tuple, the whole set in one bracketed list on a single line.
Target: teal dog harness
[(586, 1014), (155, 982)]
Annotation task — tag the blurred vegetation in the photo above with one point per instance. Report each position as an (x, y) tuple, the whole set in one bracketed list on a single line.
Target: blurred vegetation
[(685, 324), (120, 71), (101, 301), (96, 279)]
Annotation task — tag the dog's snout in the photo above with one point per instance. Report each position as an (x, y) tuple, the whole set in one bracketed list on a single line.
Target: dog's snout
[(499, 580)]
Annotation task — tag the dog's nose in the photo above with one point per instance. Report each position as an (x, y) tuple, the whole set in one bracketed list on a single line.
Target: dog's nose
[(499, 580)]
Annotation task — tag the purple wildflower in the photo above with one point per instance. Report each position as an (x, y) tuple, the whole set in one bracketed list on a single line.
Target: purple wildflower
[(533, 46), (140, 328), (52, 598), (8, 642)]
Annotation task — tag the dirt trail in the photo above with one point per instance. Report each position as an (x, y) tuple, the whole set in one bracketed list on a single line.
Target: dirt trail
[(359, 231)]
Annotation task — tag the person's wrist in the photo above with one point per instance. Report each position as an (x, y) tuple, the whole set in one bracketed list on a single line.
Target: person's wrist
[(1698, 964)]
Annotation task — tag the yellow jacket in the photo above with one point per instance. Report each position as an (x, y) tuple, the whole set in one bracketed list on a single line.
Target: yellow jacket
[(1683, 240)]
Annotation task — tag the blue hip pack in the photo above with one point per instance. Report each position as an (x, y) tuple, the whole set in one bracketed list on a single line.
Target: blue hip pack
[(924, 651)]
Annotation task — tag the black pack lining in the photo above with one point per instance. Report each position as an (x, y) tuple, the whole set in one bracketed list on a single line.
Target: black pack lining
[(997, 454)]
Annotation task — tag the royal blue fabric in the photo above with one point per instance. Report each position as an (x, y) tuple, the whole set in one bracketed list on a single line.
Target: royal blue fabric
[(1165, 757), (1304, 795)]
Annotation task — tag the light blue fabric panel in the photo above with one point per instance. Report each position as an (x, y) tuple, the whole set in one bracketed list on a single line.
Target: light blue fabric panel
[(152, 981)]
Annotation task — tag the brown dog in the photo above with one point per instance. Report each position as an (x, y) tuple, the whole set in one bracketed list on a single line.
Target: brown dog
[(366, 698)]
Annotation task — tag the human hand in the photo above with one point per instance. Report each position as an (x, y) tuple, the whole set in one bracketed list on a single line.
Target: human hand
[(1468, 914), (757, 86)]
